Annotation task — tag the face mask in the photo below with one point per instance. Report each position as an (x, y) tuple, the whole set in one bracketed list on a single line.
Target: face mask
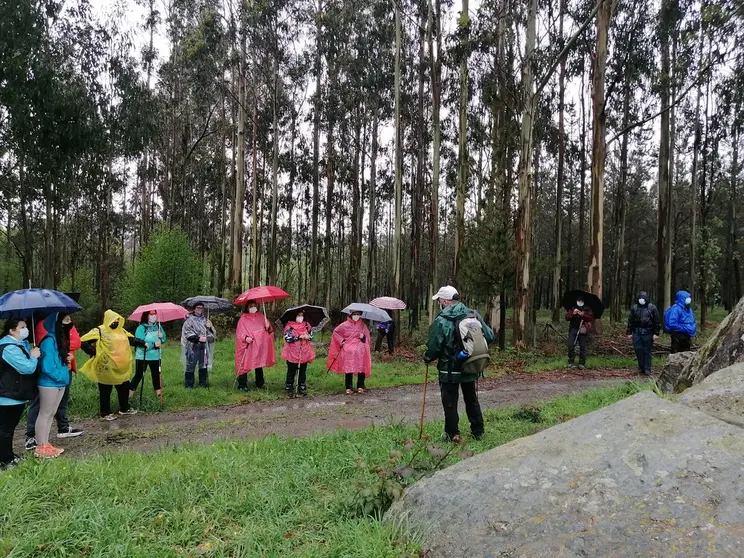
[(23, 333), (198, 311), (300, 319), (252, 310), (114, 325), (67, 326), (580, 304), (688, 301), (356, 317), (152, 319), (641, 301)]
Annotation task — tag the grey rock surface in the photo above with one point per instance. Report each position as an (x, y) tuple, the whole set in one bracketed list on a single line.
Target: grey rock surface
[(643, 477), (672, 373), (720, 395)]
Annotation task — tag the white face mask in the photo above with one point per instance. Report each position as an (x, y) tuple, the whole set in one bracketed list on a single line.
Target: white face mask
[(688, 301), (580, 304), (300, 319), (641, 301), (23, 334), (252, 310), (152, 319), (356, 317)]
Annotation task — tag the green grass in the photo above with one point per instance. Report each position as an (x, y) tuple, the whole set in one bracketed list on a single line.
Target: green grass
[(269, 498), (594, 361)]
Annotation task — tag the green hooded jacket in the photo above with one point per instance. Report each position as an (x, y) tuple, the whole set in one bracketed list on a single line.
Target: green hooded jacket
[(443, 344)]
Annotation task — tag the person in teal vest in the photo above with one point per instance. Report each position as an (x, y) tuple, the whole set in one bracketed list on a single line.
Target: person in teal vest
[(153, 335)]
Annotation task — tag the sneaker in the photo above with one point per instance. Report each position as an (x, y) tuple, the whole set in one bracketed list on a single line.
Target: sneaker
[(582, 367), (13, 463), (47, 451), (570, 365), (243, 388), (447, 439), (349, 391), (70, 432), (361, 390), (128, 412), (302, 390), (30, 444), (109, 417)]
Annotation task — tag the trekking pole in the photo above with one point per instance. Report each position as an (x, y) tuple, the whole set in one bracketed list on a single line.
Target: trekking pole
[(578, 332), (160, 365), (336, 357), (423, 402)]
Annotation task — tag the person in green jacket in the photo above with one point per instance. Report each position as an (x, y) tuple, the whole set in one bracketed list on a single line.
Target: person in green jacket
[(153, 335), (444, 345)]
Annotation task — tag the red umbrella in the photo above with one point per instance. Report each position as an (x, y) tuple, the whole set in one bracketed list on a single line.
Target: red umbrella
[(261, 295), (388, 303), (167, 312)]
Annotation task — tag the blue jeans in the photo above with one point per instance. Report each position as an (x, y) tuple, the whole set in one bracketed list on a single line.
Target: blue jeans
[(197, 357), (61, 415)]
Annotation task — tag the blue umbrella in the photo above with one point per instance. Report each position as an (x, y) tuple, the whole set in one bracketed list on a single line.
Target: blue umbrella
[(23, 303)]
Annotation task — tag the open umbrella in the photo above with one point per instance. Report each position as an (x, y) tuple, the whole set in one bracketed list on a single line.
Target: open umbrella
[(167, 311), (368, 311), (316, 316), (261, 295), (388, 303), (23, 303), (212, 304), (591, 300)]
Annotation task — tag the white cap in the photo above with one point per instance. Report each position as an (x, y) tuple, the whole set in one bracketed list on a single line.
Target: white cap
[(445, 293)]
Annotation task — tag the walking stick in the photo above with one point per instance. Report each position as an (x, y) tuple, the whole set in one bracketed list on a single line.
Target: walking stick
[(423, 402), (160, 366), (336, 357)]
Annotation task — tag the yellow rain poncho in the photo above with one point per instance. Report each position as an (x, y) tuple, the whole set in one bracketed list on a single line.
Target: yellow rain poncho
[(112, 364)]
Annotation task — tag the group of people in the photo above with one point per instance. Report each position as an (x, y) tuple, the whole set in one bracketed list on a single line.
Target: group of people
[(644, 327)]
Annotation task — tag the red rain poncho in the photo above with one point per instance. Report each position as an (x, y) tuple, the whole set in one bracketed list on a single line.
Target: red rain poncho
[(354, 356), (300, 351), (260, 352)]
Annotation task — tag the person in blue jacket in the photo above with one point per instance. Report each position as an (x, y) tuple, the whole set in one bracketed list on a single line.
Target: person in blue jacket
[(18, 363), (679, 322), (153, 336), (53, 379)]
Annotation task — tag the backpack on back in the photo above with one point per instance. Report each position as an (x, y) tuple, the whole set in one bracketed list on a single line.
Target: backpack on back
[(469, 333)]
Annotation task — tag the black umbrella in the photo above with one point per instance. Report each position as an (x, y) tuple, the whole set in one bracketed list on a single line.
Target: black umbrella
[(316, 316), (212, 304), (590, 300)]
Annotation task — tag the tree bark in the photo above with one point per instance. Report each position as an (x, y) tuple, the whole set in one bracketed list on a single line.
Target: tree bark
[(236, 269), (434, 19), (557, 262), (314, 249), (462, 157), (398, 157)]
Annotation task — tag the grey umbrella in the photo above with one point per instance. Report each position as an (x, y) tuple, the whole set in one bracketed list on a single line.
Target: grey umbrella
[(368, 311), (212, 304)]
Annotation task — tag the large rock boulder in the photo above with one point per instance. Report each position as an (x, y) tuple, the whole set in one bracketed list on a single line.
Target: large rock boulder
[(720, 395), (672, 374), (724, 348), (643, 477)]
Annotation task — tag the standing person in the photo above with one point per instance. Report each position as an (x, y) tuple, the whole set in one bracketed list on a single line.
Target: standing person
[(18, 384), (446, 347), (197, 344), (580, 319), (53, 380), (679, 321), (385, 329), (109, 346), (64, 430), (298, 352), (644, 326), (254, 346), (150, 332), (350, 353)]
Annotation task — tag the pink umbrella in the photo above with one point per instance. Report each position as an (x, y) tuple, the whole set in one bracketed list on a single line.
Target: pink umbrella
[(167, 312), (261, 295), (388, 303)]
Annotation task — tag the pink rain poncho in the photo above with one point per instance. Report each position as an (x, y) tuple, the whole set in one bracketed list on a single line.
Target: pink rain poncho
[(348, 354), (300, 351), (260, 352)]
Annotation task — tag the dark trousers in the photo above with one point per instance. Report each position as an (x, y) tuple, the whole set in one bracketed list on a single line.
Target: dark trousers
[(450, 393), (61, 415), (122, 392), (198, 357), (572, 346), (350, 381), (681, 342), (140, 367), (390, 340), (243, 379), (10, 416), (292, 370), (643, 343)]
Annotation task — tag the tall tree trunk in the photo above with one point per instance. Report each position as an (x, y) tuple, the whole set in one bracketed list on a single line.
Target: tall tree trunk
[(434, 19), (372, 243), (523, 221), (330, 155), (356, 198), (236, 270), (398, 157), (271, 261), (255, 218), (462, 152), (557, 262), (594, 279), (582, 191), (314, 249), (694, 176), (417, 194), (617, 301)]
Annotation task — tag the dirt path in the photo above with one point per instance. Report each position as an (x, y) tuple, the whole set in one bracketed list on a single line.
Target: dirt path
[(313, 415)]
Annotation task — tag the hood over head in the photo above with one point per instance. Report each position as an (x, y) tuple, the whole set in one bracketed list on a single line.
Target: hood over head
[(681, 297), (110, 317)]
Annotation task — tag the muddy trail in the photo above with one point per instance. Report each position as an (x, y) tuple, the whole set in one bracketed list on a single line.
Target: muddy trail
[(299, 417)]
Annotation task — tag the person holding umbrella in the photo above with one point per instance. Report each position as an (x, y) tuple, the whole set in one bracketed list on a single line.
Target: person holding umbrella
[(580, 318), (150, 332), (18, 362), (197, 343), (298, 352), (254, 346), (349, 353)]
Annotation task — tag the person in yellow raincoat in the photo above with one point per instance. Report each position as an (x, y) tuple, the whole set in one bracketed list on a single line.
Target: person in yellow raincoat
[(109, 346)]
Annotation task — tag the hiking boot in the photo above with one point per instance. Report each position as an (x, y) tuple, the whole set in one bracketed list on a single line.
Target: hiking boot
[(570, 365), (447, 439), (302, 390), (47, 451), (69, 432), (109, 417), (243, 388), (30, 443), (289, 388), (128, 412), (582, 367)]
